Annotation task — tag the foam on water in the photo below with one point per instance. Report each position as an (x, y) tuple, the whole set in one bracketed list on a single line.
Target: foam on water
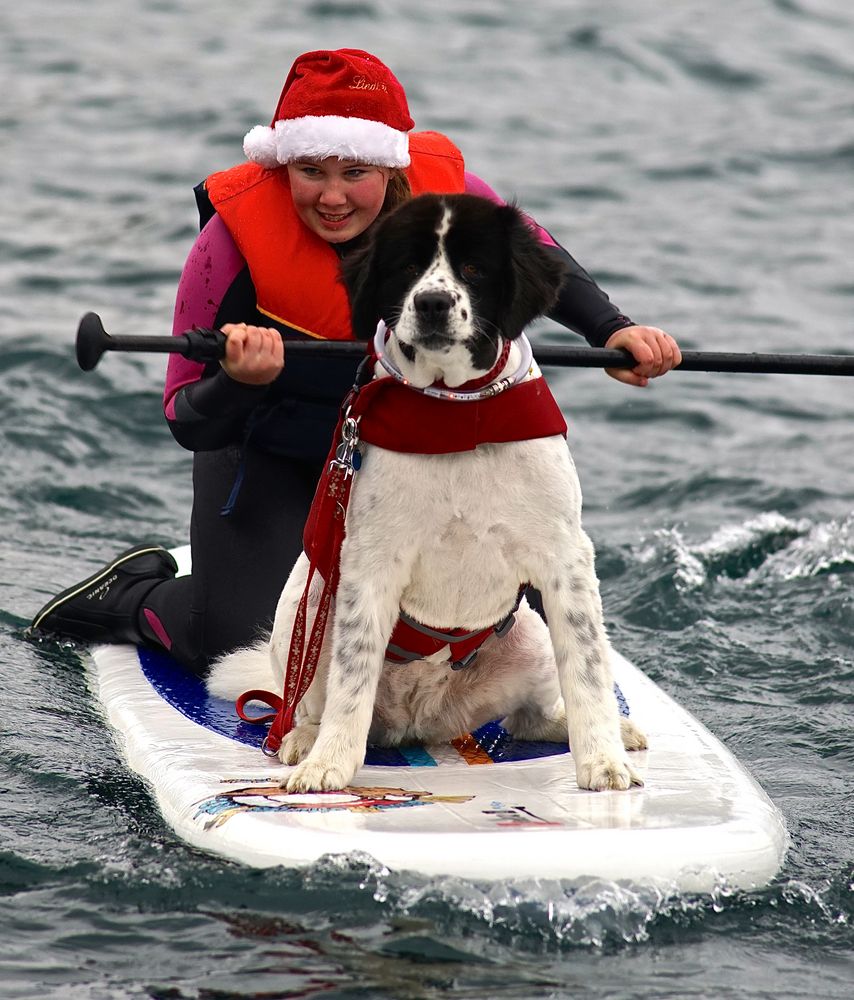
[(770, 546)]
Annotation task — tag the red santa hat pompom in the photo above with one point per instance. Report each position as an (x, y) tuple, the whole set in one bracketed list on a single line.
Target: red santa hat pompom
[(343, 103)]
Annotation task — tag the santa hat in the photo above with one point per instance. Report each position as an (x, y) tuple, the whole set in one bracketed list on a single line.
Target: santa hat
[(343, 103)]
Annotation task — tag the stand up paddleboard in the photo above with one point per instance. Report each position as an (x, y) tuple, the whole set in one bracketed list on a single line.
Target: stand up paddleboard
[(485, 806)]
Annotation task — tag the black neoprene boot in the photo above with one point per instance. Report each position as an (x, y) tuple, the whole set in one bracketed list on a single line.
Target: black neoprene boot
[(105, 606)]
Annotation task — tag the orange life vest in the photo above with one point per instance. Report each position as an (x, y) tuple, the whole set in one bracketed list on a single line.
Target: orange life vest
[(294, 271)]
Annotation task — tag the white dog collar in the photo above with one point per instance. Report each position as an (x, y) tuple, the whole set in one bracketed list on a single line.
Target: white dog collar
[(455, 395)]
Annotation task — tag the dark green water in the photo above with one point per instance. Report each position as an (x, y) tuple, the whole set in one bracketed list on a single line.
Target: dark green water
[(699, 159)]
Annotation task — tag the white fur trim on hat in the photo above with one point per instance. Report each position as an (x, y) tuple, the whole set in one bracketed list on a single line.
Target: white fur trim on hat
[(259, 145), (317, 137)]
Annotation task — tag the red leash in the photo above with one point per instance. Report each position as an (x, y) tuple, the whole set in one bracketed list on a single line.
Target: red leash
[(328, 520)]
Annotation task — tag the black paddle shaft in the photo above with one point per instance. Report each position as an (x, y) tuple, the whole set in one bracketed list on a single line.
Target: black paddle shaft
[(209, 345), (198, 344)]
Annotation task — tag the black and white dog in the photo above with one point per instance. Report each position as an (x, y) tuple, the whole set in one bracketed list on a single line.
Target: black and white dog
[(448, 539)]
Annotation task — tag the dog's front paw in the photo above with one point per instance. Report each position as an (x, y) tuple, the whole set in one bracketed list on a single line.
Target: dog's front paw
[(603, 771), (297, 745), (320, 776)]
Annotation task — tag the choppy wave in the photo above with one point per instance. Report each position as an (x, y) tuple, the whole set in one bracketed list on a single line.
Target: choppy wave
[(768, 547)]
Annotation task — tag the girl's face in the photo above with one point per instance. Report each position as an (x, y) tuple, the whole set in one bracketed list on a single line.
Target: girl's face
[(337, 199)]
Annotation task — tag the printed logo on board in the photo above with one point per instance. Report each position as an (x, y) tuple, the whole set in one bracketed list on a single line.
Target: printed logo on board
[(271, 798)]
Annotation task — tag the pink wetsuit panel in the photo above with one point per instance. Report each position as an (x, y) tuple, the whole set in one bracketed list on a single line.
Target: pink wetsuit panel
[(212, 265)]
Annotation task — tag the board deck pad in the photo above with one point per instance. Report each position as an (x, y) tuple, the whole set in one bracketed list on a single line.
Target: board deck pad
[(491, 744), (483, 806)]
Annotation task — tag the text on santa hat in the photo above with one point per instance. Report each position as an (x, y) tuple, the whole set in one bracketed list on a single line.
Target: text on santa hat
[(361, 83)]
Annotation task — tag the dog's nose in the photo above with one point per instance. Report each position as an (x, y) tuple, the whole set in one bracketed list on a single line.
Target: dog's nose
[(433, 307)]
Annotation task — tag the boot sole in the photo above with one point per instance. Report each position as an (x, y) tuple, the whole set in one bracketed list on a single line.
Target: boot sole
[(78, 588)]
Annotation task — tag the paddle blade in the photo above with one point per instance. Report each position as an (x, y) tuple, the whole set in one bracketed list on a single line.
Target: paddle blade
[(92, 341)]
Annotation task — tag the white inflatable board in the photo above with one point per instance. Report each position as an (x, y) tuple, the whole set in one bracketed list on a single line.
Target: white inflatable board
[(483, 807)]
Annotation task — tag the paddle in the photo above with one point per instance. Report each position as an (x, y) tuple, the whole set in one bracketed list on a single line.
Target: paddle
[(209, 345)]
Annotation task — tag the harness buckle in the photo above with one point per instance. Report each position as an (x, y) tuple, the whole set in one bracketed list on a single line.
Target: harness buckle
[(502, 628), (466, 661)]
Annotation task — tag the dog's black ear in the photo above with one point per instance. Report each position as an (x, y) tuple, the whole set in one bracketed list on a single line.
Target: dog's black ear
[(361, 277), (534, 276)]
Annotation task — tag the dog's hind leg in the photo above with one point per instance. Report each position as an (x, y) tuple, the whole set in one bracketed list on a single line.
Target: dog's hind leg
[(522, 669), (634, 738), (528, 725), (526, 661)]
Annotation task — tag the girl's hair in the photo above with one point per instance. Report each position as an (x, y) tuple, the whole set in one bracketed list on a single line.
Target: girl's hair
[(397, 192)]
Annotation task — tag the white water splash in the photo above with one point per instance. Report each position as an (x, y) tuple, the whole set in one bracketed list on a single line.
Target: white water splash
[(825, 548), (668, 543), (586, 912), (785, 548)]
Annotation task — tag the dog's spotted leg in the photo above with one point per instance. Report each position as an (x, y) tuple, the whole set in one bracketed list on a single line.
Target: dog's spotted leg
[(365, 615), (574, 611), (298, 742)]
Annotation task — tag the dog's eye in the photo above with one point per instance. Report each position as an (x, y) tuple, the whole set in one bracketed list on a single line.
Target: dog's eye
[(471, 272), (413, 270)]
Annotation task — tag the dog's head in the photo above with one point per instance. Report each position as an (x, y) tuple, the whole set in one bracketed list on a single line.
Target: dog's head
[(450, 275)]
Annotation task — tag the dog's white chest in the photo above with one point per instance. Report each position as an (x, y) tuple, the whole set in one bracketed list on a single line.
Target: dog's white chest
[(458, 526), (466, 575)]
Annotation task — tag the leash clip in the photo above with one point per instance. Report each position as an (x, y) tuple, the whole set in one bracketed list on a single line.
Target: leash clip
[(347, 454)]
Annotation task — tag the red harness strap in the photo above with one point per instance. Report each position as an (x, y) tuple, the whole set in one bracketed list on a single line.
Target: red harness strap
[(411, 640), (390, 415)]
